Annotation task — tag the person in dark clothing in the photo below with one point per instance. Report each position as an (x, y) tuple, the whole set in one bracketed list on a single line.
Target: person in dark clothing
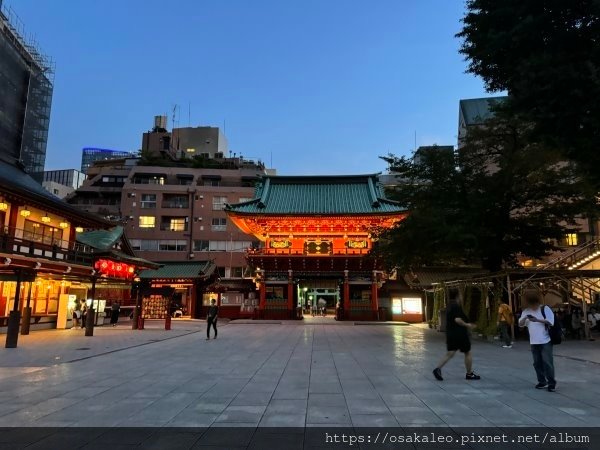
[(115, 309), (211, 318), (457, 337)]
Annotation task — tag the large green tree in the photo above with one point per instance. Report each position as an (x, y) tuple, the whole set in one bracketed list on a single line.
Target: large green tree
[(497, 198), (435, 231), (546, 55)]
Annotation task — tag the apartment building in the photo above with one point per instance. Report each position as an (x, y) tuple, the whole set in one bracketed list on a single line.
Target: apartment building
[(175, 213)]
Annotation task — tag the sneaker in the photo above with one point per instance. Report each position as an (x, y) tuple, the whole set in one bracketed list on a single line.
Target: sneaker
[(551, 388), (208, 339), (541, 385), (437, 373), (472, 376), (507, 346)]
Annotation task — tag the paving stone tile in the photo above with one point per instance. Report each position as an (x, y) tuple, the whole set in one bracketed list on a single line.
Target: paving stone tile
[(327, 414), (283, 420), (241, 414), (315, 399)]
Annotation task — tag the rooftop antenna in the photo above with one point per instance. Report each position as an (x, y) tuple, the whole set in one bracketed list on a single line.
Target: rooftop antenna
[(271, 159), (415, 140), (189, 114), (173, 127)]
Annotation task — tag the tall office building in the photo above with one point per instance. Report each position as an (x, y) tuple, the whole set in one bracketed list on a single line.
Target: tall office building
[(26, 84), (62, 182)]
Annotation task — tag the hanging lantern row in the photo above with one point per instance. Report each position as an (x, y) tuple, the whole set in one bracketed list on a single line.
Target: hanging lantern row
[(114, 269)]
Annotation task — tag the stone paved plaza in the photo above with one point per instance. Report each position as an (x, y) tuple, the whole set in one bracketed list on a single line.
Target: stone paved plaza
[(283, 375)]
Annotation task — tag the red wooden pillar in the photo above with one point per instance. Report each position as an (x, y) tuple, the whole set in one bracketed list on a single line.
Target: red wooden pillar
[(346, 295), (290, 295), (262, 292), (374, 299)]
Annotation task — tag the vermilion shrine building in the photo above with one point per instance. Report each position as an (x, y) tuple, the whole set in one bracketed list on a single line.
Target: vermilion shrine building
[(317, 232)]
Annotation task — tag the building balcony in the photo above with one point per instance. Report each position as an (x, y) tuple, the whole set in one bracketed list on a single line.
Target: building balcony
[(16, 241), (172, 204)]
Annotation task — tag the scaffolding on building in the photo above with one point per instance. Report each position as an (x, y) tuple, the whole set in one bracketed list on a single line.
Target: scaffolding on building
[(38, 88)]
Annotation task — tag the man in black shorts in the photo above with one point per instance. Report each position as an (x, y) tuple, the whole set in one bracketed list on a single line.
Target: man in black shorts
[(457, 337)]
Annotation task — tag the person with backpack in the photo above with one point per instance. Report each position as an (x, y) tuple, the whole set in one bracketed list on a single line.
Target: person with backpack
[(505, 322), (537, 318)]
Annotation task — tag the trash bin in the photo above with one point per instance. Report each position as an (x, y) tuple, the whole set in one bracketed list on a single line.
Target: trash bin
[(442, 320)]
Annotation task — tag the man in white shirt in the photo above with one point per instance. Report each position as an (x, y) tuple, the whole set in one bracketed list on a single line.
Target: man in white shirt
[(539, 338)]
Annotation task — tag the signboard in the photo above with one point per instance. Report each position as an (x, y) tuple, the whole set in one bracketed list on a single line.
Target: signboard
[(280, 243), (357, 244)]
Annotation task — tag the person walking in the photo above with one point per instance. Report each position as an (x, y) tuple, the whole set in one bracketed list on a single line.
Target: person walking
[(505, 322), (115, 309), (211, 318), (84, 309), (537, 319), (576, 320), (457, 337), (322, 307), (77, 317)]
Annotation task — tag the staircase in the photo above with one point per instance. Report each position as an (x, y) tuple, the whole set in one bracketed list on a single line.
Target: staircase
[(576, 257)]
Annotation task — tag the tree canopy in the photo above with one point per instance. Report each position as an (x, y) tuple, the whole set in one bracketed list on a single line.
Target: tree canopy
[(546, 54), (496, 198)]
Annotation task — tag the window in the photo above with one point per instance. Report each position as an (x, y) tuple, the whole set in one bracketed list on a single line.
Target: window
[(175, 201), (211, 183), (144, 244), (147, 221), (217, 246), (172, 245), (219, 203), (39, 232), (237, 272), (238, 246), (201, 246), (571, 239), (219, 224), (178, 224), (148, 201), (149, 245)]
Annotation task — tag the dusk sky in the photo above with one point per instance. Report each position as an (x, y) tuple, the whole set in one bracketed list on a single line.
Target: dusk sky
[(313, 86)]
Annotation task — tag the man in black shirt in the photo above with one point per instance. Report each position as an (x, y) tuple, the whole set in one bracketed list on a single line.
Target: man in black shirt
[(211, 318), (457, 337)]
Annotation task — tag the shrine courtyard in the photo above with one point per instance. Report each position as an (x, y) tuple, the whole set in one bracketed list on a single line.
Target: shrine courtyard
[(286, 374)]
